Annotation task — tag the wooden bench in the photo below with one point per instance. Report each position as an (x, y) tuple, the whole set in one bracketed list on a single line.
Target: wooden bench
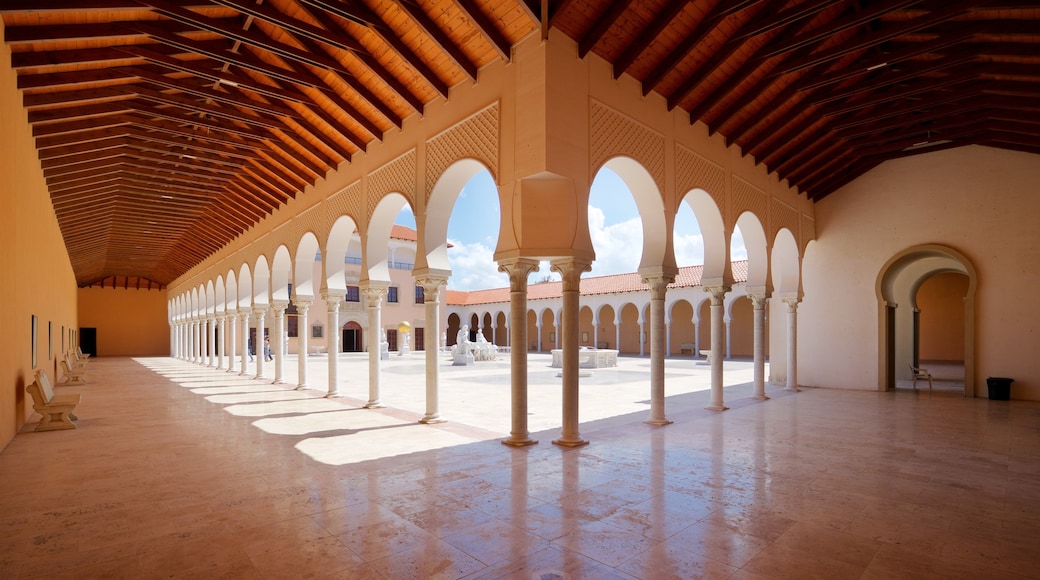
[(690, 346), (81, 354), (56, 410), (73, 372)]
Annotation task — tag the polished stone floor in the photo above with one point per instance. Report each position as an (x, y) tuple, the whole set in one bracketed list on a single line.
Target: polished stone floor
[(181, 471)]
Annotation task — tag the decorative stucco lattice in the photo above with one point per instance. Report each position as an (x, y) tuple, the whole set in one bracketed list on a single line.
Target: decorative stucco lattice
[(398, 176), (262, 246), (693, 171), (747, 197), (311, 220), (345, 202), (282, 236), (613, 134), (808, 231), (785, 216), (474, 138)]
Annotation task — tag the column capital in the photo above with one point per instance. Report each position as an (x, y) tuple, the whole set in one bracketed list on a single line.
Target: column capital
[(373, 292), (333, 298), (571, 269), (791, 302), (758, 299), (658, 285), (518, 269), (279, 305), (303, 301), (432, 284), (259, 309), (717, 292)]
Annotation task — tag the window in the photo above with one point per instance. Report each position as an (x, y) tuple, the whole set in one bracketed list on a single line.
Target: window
[(420, 339), (353, 294), (317, 331), (420, 295), (391, 294)]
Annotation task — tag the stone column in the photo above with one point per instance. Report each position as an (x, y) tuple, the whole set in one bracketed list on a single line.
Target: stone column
[(617, 331), (373, 294), (277, 343), (258, 342), (538, 330), (221, 342), (232, 324), (792, 343), (518, 270), (211, 340), (658, 288), (333, 300), (432, 287), (758, 303), (570, 270), (196, 352), (244, 315), (718, 294), (729, 336), (303, 333)]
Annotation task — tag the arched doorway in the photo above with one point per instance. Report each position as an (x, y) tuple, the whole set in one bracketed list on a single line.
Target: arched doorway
[(898, 324), (352, 333)]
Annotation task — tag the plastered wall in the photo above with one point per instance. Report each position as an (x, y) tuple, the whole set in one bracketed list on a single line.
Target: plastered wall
[(129, 322), (941, 302), (37, 275), (979, 201)]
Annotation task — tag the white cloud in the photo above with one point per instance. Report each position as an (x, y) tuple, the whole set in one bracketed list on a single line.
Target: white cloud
[(619, 246), (689, 249), (473, 267)]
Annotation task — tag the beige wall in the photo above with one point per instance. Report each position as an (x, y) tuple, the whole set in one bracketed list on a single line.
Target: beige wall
[(38, 278), (128, 322), (941, 302), (979, 201)]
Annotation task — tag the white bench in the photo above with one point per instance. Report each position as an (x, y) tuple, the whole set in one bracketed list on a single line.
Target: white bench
[(690, 346), (73, 372), (707, 355), (81, 354), (56, 410)]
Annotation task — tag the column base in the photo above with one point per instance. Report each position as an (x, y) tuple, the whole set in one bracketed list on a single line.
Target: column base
[(260, 378), (374, 405), (335, 395), (793, 389), (570, 442), (716, 408), (300, 387), (431, 419), (278, 382), (658, 422), (760, 398), (243, 374), (524, 441)]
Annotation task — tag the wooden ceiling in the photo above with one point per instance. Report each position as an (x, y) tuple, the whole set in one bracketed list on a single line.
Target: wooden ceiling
[(168, 127)]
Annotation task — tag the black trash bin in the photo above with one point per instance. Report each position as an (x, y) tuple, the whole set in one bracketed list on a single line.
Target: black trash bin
[(999, 388)]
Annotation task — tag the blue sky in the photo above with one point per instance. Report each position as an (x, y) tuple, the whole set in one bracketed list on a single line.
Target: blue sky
[(617, 233)]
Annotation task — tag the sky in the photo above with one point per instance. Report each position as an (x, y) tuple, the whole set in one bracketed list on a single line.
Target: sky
[(617, 234)]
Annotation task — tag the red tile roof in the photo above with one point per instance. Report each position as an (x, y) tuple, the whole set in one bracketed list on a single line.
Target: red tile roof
[(613, 284), (406, 233)]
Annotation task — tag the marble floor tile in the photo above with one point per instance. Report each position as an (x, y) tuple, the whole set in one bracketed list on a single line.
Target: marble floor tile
[(182, 471)]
